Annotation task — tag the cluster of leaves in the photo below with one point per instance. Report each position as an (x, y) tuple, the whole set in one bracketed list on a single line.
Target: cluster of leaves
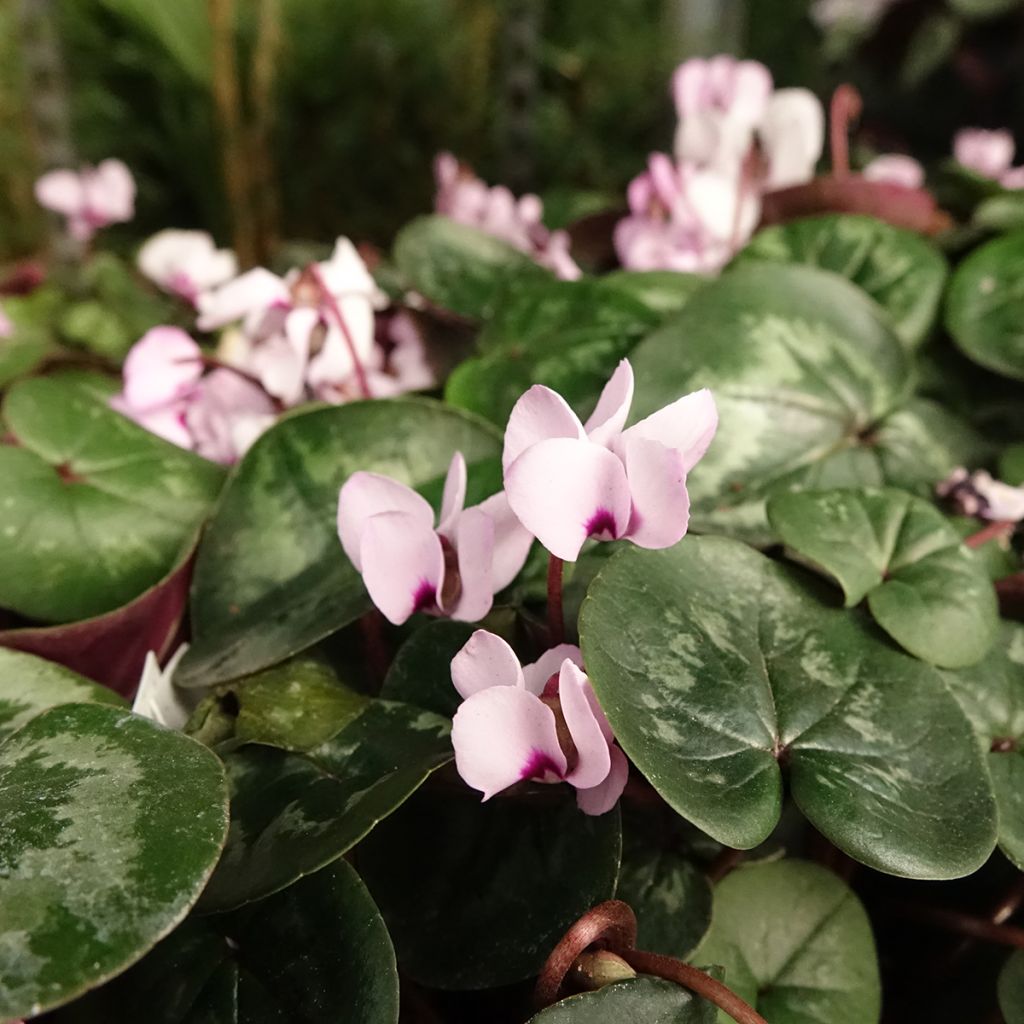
[(819, 673)]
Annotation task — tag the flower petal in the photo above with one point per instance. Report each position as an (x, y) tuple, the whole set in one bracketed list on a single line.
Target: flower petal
[(896, 169), (503, 735), (609, 417), (604, 796), (512, 541), (657, 486), (474, 547), (62, 192), (368, 494), (454, 499), (564, 491), (537, 674), (539, 414), (255, 290), (162, 366), (402, 564), (792, 135), (486, 660), (687, 425), (110, 191), (156, 698), (593, 760)]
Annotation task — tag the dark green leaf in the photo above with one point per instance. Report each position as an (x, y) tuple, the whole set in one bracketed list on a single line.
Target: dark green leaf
[(662, 291), (985, 305), (271, 578), (96, 509), (476, 895), (460, 268), (925, 588), (293, 813), (1002, 212), (796, 944), (639, 1001), (1011, 465), (112, 826), (1011, 989), (716, 665), (421, 673), (902, 272)]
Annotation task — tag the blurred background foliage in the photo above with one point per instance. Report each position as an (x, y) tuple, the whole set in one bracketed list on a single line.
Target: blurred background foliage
[(301, 119)]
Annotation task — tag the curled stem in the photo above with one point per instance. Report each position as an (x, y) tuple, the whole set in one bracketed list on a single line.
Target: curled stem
[(845, 108), (556, 617)]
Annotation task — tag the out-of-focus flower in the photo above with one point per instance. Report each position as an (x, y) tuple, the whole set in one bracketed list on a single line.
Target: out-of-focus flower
[(852, 15), (895, 169), (6, 325), (540, 722), (519, 221), (186, 263), (791, 136), (226, 415), (91, 198), (409, 565), (157, 698), (978, 494), (567, 481), (990, 154)]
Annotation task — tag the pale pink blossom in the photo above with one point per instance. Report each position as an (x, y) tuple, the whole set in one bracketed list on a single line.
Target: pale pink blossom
[(567, 481), (157, 698), (518, 221), (539, 722), (6, 325), (990, 154), (895, 169), (91, 198), (979, 494), (410, 565), (186, 263)]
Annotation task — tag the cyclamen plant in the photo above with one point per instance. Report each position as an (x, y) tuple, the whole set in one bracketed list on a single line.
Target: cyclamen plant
[(693, 767)]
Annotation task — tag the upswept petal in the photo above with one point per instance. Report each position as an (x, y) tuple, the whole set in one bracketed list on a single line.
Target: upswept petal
[(612, 410), (369, 494), (255, 290), (474, 547), (564, 491), (280, 365), (156, 697), (485, 660), (402, 564), (593, 760), (62, 192), (604, 796), (688, 425), (503, 735), (990, 153), (110, 191), (540, 414), (537, 674), (657, 485), (792, 134), (454, 499), (512, 541), (162, 366)]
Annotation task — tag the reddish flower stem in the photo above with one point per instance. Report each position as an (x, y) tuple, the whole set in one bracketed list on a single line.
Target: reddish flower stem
[(378, 655), (331, 302), (994, 530), (964, 924), (845, 107), (556, 617)]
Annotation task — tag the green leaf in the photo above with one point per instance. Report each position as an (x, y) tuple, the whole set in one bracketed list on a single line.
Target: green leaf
[(96, 509), (317, 953), (901, 271), (476, 895), (112, 826), (29, 685), (293, 813), (639, 1001), (568, 335), (1011, 989), (982, 8), (1011, 465), (271, 578), (992, 695), (717, 667), (1003, 212), (807, 378), (460, 268), (796, 944), (421, 673), (925, 588), (662, 291), (985, 305)]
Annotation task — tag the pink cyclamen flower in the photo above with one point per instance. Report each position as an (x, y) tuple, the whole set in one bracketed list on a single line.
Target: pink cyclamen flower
[(6, 325), (567, 481), (157, 698), (895, 169), (979, 494), (90, 198), (226, 415), (539, 722), (990, 154), (518, 221), (186, 263), (409, 565)]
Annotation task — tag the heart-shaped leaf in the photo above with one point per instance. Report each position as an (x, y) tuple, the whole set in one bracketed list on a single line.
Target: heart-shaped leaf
[(985, 305), (29, 685), (96, 509), (460, 268), (317, 953), (293, 813), (112, 826), (500, 881), (568, 335), (810, 384), (902, 272), (639, 1001), (716, 666), (992, 695), (796, 944), (1011, 989), (271, 578), (925, 588), (661, 291)]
